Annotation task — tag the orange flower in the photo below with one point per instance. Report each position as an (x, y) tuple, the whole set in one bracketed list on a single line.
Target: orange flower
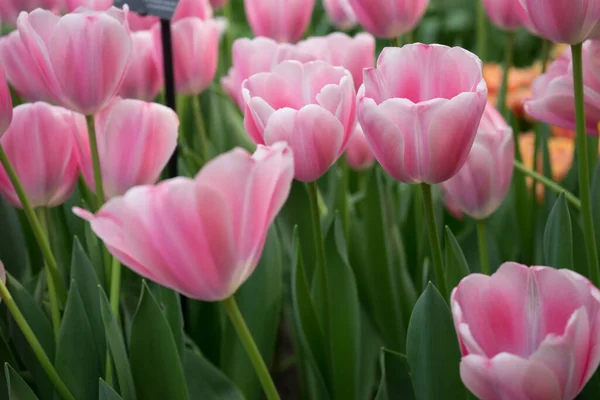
[(561, 151)]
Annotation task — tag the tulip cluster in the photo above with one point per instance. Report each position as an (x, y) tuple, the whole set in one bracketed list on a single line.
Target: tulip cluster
[(314, 160)]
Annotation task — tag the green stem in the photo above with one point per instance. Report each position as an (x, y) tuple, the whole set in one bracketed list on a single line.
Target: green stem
[(508, 60), (34, 343), (40, 237), (228, 13), (236, 318), (483, 253), (550, 184), (396, 41), (434, 239), (546, 44), (583, 166), (95, 161), (201, 128), (115, 286), (54, 309), (481, 31)]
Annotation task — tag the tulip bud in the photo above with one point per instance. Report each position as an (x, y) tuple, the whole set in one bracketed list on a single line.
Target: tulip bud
[(135, 141), (202, 237), (482, 183), (40, 145), (310, 106), (527, 332), (421, 123)]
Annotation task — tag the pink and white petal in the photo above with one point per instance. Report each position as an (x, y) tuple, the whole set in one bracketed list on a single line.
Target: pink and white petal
[(508, 377)]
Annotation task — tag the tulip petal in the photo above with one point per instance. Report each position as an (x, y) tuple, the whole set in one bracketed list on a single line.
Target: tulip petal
[(508, 377)]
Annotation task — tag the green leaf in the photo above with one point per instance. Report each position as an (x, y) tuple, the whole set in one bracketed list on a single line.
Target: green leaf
[(43, 331), (204, 325), (171, 306), (375, 264), (558, 236), (395, 377), (205, 381), (13, 247), (17, 388), (156, 366), (94, 252), (456, 263), (311, 341), (432, 349), (116, 345), (580, 262), (260, 300), (106, 392), (344, 317), (76, 356), (84, 275)]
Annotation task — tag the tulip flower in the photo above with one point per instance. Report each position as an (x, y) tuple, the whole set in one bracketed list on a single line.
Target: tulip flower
[(144, 77), (354, 54), (421, 123), (340, 13), (218, 4), (135, 141), (6, 107), (553, 95), (40, 144), (98, 5), (10, 9), (193, 8), (358, 154), (251, 56), (195, 53), (527, 333), (564, 21), (482, 183), (201, 237), (82, 57), (311, 106), (138, 22), (389, 18), (282, 20), (21, 69), (506, 14)]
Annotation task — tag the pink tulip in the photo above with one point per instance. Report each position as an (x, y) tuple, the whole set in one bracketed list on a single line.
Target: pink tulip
[(202, 237), (354, 54), (506, 14), (282, 20), (144, 77), (564, 21), (527, 333), (389, 18), (98, 5), (135, 141), (310, 106), (40, 146), (193, 8), (482, 183), (138, 22), (421, 122), (358, 154), (553, 96), (10, 9), (6, 106), (218, 4), (21, 69), (251, 56), (195, 53), (82, 57), (340, 13)]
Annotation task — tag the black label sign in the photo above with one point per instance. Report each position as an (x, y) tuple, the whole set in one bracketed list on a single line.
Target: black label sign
[(159, 8)]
